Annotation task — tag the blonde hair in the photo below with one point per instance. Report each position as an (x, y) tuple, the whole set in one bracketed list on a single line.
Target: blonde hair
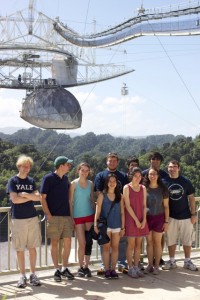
[(23, 159)]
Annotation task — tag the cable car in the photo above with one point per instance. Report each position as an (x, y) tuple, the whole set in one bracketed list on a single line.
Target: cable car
[(124, 90)]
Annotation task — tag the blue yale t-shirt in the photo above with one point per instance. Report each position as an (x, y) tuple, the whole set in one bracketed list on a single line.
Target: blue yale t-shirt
[(23, 210)]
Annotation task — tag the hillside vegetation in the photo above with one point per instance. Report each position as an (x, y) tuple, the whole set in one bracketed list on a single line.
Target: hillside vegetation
[(44, 145)]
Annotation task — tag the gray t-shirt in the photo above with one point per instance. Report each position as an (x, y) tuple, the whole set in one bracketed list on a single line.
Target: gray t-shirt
[(155, 201)]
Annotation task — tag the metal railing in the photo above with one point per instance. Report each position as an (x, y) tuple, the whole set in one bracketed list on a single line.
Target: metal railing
[(8, 261)]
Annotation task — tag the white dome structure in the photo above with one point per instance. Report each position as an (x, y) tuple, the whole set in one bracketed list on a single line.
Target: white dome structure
[(54, 108)]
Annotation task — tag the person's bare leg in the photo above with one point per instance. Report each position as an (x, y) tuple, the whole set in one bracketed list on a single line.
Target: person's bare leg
[(106, 256), (66, 251), (157, 247), (187, 251), (138, 243), (115, 249), (54, 252), (32, 259), (21, 262), (150, 248), (80, 232), (172, 250), (130, 250)]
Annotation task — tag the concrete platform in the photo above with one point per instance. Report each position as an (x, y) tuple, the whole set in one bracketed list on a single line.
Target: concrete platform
[(179, 284)]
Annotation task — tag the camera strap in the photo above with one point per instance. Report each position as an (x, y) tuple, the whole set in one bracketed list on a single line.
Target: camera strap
[(112, 205)]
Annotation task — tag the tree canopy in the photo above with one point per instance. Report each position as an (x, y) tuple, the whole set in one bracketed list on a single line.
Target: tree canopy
[(44, 145)]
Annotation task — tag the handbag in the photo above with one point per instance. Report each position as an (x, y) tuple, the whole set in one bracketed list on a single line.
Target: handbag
[(103, 238)]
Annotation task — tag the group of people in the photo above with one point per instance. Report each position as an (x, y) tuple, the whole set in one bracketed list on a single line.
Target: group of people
[(129, 206)]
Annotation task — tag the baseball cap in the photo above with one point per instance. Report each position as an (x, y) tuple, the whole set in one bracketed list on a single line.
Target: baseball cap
[(62, 160)]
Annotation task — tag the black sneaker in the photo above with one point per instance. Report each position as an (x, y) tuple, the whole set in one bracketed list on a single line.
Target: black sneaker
[(88, 272), (107, 274), (162, 262), (81, 272), (113, 274), (22, 283), (57, 276), (67, 274)]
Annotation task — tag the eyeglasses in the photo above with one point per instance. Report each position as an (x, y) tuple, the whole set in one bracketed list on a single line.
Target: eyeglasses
[(153, 174)]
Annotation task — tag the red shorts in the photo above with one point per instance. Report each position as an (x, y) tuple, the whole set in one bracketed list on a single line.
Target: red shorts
[(155, 223), (83, 220)]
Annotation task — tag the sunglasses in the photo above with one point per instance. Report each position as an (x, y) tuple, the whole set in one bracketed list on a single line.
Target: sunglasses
[(112, 154)]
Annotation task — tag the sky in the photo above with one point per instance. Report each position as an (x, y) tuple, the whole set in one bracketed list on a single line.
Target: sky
[(163, 90)]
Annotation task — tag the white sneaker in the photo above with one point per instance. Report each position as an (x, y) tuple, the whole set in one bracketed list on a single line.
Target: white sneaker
[(132, 273), (22, 283), (170, 265), (156, 271), (149, 269), (139, 272), (190, 266)]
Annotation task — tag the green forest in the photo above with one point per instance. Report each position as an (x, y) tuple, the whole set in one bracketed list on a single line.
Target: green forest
[(44, 145)]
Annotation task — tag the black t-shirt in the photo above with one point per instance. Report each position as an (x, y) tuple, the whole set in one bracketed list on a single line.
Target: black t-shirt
[(179, 190), (57, 190), (101, 177)]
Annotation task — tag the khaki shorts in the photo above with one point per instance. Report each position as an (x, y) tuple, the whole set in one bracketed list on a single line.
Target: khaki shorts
[(59, 227), (25, 233), (182, 229)]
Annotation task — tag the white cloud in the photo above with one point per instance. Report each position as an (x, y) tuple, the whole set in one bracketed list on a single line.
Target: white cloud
[(112, 115), (123, 115), (10, 106)]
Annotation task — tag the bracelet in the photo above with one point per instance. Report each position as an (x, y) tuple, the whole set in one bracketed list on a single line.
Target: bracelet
[(194, 214), (122, 228)]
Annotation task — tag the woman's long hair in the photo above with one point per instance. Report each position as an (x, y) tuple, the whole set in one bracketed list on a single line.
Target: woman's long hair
[(160, 183), (116, 190), (133, 171)]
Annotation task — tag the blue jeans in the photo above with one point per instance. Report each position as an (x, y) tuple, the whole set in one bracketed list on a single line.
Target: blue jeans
[(122, 251)]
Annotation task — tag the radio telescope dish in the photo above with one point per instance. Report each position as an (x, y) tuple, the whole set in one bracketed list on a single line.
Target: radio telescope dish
[(54, 108)]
